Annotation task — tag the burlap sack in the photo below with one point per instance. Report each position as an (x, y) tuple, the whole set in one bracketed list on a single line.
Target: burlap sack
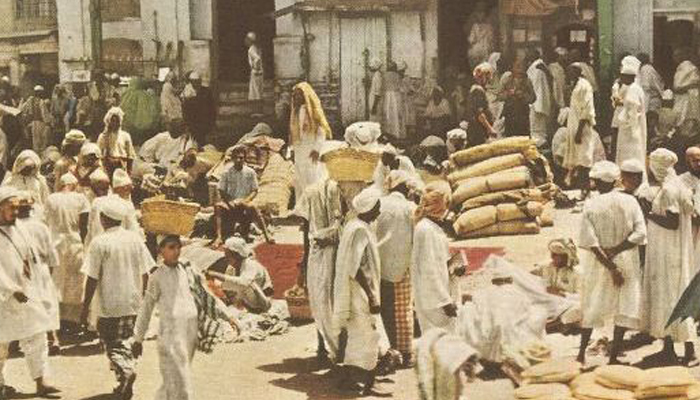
[(511, 212), (553, 371), (509, 196), (482, 152), (540, 391), (619, 377), (487, 167), (597, 392), (498, 182), (547, 217), (506, 181), (476, 219), (667, 376), (517, 227), (584, 379)]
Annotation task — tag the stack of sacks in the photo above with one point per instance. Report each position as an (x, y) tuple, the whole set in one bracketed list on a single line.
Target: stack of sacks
[(275, 186), (668, 383), (553, 371), (493, 190), (548, 391)]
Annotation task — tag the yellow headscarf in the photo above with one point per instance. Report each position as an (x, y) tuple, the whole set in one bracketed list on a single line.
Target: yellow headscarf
[(435, 201), (316, 116)]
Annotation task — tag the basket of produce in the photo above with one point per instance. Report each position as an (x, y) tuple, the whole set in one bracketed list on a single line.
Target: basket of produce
[(351, 164), (298, 304), (166, 217)]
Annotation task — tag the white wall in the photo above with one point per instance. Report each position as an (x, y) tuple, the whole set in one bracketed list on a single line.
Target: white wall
[(74, 35), (633, 26)]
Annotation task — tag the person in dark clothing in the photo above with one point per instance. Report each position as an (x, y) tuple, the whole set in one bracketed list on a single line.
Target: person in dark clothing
[(199, 109)]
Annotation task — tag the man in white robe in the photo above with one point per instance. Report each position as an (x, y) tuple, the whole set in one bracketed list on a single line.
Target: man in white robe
[(392, 161), (652, 83), (356, 295), (691, 180), (66, 215), (255, 89), (541, 109), (686, 87), (559, 78), (669, 263), (24, 279), (632, 121), (395, 235), (166, 149), (321, 209), (376, 91), (611, 231), (25, 176)]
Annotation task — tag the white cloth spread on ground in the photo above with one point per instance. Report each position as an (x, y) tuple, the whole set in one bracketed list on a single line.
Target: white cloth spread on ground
[(632, 122), (582, 109), (608, 220), (687, 104), (430, 276)]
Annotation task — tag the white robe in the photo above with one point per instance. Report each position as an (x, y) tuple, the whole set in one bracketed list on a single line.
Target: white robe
[(609, 220), (582, 108), (395, 235), (692, 183), (559, 84), (381, 172), (430, 276), (321, 207), (307, 171), (541, 109), (170, 104), (358, 251), (687, 104), (394, 123), (653, 85), (255, 89), (669, 258), (166, 151), (376, 91), (632, 133)]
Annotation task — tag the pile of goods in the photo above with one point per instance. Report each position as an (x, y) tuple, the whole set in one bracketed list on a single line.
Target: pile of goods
[(275, 186), (494, 191), (562, 380)]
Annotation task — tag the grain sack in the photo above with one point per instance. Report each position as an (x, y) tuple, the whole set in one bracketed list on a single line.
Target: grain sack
[(487, 167), (509, 196), (543, 391), (584, 379), (517, 227), (619, 377), (593, 391), (506, 181), (547, 217), (500, 181), (554, 371), (275, 186), (511, 212), (482, 152), (667, 382), (476, 219), (468, 189)]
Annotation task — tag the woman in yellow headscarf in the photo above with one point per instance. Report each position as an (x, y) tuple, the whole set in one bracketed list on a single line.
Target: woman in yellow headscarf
[(308, 130)]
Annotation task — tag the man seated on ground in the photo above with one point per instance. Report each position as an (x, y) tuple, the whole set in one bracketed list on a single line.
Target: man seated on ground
[(191, 174), (167, 148), (238, 187), (562, 275), (246, 283)]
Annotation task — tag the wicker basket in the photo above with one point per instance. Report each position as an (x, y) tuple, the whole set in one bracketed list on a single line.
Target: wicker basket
[(167, 217), (299, 308), (351, 165)]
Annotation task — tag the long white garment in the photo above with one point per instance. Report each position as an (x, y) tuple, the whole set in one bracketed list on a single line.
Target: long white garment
[(170, 104), (321, 207), (307, 171), (618, 93), (4, 151), (36, 355), (687, 104), (395, 235), (376, 91), (632, 133), (582, 109), (166, 151), (34, 184), (541, 109), (608, 220), (255, 89), (669, 258), (95, 225), (589, 74), (394, 123), (430, 276), (692, 183), (63, 211), (559, 84), (653, 85), (358, 251), (169, 292)]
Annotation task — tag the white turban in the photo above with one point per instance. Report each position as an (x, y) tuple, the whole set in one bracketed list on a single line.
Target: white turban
[(632, 166), (630, 65), (121, 179), (456, 134), (661, 162), (363, 133), (605, 171), (7, 192), (561, 51), (464, 125), (238, 246), (396, 178), (667, 95), (38, 88), (74, 136), (114, 208), (252, 36), (90, 149), (68, 179), (99, 176), (366, 200)]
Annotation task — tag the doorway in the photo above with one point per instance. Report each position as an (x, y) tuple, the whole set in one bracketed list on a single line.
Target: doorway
[(235, 18), (670, 35)]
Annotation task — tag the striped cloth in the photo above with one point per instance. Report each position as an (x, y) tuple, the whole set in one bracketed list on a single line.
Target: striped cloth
[(211, 315), (397, 313)]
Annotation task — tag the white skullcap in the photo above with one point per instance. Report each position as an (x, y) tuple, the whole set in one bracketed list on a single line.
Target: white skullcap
[(238, 246), (120, 179), (38, 88), (90, 148), (5, 78), (375, 63), (464, 125), (7, 192), (195, 76), (68, 179), (457, 134), (366, 200), (396, 178), (605, 171), (363, 133), (667, 95), (561, 51), (630, 65), (252, 36), (632, 166), (99, 176), (661, 162), (114, 208)]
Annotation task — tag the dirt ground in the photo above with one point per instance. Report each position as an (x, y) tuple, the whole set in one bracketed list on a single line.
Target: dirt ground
[(283, 367)]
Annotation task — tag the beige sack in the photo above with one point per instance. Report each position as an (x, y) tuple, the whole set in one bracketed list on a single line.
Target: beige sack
[(553, 371), (482, 152), (584, 379), (508, 196), (547, 217), (498, 182), (669, 392), (619, 377), (597, 392), (667, 376), (476, 219), (517, 227), (511, 212), (487, 167), (538, 391)]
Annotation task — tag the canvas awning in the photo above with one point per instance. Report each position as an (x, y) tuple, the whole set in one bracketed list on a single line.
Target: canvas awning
[(352, 6), (535, 8)]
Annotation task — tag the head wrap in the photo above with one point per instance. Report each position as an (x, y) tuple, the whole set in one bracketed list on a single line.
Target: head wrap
[(630, 65), (433, 141), (632, 166), (99, 176), (90, 148), (262, 129), (7, 192), (121, 179), (567, 247), (74, 136), (114, 208), (112, 112), (396, 178), (464, 125), (238, 246), (366, 200), (605, 171), (51, 154), (38, 88), (27, 158), (483, 72), (362, 133), (457, 134), (316, 117), (68, 179), (6, 78), (195, 76), (252, 36), (114, 76), (661, 162), (667, 95), (435, 201)]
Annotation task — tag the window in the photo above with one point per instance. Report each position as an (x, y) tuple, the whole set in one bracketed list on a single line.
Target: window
[(35, 9), (116, 10)]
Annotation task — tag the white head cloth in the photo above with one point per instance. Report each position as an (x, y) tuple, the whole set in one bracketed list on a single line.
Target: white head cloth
[(667, 95), (114, 208), (366, 200), (238, 246), (7, 192), (99, 176), (630, 66), (632, 166), (68, 179), (605, 171), (90, 148), (121, 179), (661, 162), (456, 134)]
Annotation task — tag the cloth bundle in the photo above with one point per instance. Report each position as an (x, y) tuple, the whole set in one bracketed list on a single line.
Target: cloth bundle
[(275, 186), (554, 371)]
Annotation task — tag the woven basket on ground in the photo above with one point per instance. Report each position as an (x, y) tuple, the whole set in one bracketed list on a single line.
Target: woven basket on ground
[(167, 217), (351, 165), (299, 308)]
